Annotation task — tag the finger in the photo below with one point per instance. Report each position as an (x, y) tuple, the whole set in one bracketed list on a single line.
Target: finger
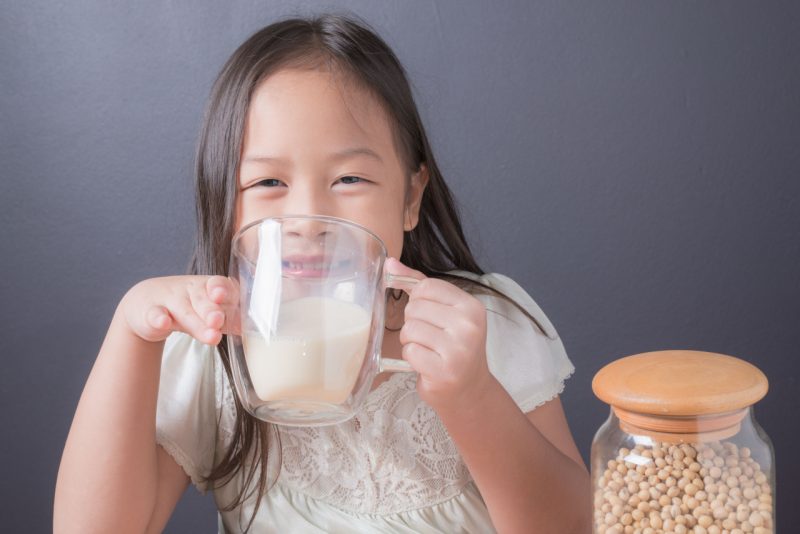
[(440, 291), (221, 290), (225, 293), (438, 314), (423, 333), (401, 277), (422, 359), (187, 320), (208, 310), (215, 319), (233, 322), (396, 267), (159, 319), (233, 325)]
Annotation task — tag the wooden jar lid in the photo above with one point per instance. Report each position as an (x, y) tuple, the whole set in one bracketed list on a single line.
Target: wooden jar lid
[(680, 383)]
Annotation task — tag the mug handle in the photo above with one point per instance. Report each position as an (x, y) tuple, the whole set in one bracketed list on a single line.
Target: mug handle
[(393, 365)]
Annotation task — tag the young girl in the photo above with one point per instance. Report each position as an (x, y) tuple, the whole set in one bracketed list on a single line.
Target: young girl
[(316, 117)]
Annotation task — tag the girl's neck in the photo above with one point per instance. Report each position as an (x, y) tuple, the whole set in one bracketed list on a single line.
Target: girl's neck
[(395, 306)]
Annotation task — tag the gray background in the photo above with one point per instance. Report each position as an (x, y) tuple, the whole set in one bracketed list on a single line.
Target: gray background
[(634, 165)]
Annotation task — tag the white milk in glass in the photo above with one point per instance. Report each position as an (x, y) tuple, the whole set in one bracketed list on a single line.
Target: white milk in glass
[(316, 354)]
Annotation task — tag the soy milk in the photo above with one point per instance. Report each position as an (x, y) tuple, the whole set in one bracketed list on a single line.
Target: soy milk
[(316, 355)]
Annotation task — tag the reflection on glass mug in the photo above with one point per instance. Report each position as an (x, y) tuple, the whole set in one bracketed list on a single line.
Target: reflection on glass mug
[(312, 301)]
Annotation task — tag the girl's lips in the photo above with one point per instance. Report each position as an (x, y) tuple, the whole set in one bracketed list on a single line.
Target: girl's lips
[(313, 266), (297, 269)]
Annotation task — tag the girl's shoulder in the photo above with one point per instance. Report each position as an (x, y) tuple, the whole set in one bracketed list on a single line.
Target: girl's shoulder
[(523, 348)]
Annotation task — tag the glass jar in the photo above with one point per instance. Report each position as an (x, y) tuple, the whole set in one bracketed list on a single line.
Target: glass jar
[(681, 451)]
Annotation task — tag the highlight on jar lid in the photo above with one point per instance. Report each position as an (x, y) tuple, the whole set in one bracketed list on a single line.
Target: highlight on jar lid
[(680, 392)]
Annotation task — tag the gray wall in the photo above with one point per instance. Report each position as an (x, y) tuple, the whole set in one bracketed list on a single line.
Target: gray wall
[(634, 165)]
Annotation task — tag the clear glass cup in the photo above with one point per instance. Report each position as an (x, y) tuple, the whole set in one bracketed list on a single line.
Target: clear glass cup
[(312, 304)]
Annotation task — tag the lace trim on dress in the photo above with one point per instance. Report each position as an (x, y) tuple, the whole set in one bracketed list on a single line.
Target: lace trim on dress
[(183, 460), (548, 394)]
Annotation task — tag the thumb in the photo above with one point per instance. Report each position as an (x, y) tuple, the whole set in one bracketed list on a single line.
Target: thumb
[(400, 276)]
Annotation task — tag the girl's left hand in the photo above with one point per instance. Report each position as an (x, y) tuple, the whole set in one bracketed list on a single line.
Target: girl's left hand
[(444, 339)]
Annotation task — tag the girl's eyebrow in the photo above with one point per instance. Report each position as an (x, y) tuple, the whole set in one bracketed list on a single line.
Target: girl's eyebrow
[(339, 155), (356, 151)]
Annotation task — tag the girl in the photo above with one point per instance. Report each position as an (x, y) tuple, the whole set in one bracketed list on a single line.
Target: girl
[(316, 117)]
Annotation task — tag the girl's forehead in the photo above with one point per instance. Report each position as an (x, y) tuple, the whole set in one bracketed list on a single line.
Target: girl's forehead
[(316, 104)]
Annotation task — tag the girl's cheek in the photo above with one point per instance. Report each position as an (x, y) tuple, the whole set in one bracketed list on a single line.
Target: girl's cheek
[(394, 243), (249, 210)]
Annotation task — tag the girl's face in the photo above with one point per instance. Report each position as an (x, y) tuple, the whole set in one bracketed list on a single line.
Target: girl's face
[(316, 144)]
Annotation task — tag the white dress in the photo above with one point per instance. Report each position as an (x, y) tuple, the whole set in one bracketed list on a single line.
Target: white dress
[(391, 468)]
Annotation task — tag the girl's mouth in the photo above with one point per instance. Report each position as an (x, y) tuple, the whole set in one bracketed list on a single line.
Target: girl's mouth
[(315, 267)]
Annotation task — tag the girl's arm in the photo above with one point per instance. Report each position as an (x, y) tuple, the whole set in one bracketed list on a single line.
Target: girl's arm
[(113, 476), (527, 468)]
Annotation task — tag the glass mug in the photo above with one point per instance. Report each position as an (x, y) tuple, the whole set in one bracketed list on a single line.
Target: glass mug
[(311, 318)]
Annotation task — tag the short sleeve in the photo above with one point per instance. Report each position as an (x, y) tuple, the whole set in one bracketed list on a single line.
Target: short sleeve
[(187, 414), (531, 365)]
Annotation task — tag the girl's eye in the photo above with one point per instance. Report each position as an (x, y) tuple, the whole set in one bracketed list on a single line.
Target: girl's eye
[(269, 182), (351, 179)]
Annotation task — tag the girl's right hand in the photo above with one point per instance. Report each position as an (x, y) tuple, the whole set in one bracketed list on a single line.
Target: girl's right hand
[(205, 307)]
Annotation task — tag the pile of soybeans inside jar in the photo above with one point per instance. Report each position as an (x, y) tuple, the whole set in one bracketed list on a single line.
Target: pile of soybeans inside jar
[(681, 451)]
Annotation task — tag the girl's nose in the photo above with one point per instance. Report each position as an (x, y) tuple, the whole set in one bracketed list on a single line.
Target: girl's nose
[(306, 200), (309, 229)]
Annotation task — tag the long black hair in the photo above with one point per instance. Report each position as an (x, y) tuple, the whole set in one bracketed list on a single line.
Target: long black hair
[(435, 246)]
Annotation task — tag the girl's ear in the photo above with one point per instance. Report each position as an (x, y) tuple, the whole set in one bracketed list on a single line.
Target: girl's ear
[(418, 183)]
